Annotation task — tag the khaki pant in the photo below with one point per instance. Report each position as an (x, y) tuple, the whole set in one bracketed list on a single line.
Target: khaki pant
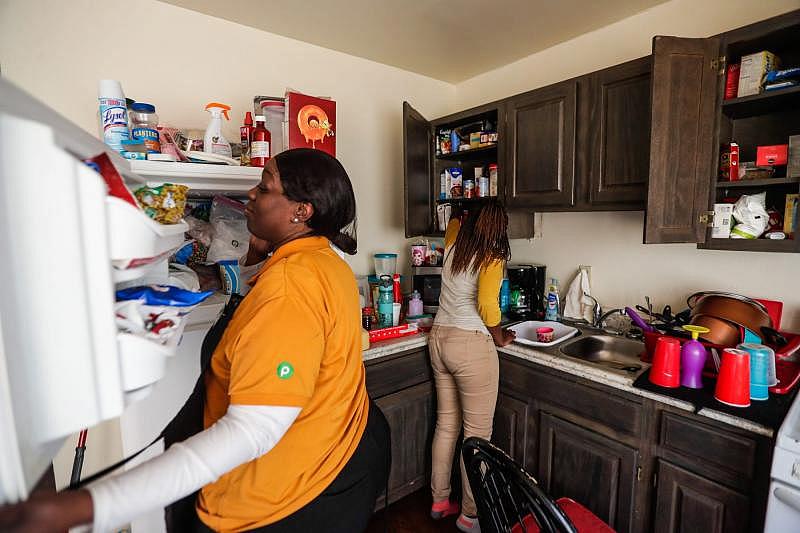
[(466, 372)]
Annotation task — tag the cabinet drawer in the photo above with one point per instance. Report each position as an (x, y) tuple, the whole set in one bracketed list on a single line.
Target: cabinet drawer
[(395, 373), (708, 445)]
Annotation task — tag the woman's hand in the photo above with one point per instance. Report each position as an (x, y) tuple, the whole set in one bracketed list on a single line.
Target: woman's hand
[(257, 251), (44, 513), (502, 337)]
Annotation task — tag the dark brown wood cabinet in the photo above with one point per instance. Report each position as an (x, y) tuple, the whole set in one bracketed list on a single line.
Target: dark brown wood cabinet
[(512, 431), (541, 147), (402, 386), (618, 130), (636, 463), (686, 502), (417, 168), (590, 468)]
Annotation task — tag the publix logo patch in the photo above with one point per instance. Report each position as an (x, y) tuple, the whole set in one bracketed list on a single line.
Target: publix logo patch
[(285, 370)]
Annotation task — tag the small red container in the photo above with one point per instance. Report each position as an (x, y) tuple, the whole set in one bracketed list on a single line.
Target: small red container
[(666, 369), (775, 155), (733, 383)]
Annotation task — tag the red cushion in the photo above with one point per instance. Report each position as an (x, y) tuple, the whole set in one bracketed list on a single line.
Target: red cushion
[(581, 517)]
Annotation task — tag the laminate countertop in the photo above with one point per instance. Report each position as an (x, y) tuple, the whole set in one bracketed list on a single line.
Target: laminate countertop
[(553, 358)]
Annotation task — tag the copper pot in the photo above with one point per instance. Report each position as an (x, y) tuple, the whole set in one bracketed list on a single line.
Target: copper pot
[(733, 308), (721, 331)]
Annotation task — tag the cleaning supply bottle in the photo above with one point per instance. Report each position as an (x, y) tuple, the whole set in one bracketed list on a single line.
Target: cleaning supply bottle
[(553, 304), (213, 141), (113, 114), (693, 359), (415, 304), (260, 144), (246, 131)]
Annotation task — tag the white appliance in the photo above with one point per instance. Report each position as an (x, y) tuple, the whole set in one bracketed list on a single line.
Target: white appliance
[(63, 364), (783, 507)]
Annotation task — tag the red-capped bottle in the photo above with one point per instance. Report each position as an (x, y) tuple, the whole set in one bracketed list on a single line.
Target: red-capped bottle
[(398, 296), (260, 142), (246, 131)]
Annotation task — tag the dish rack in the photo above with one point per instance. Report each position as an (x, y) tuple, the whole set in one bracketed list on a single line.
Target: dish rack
[(787, 359)]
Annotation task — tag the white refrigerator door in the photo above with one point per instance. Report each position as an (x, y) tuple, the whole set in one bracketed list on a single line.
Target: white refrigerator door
[(59, 366)]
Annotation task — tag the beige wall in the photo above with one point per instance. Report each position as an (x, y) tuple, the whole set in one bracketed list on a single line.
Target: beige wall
[(624, 270), (58, 50)]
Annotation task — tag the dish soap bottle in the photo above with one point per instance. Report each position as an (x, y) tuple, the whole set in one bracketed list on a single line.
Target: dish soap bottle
[(415, 304), (213, 141), (553, 304)]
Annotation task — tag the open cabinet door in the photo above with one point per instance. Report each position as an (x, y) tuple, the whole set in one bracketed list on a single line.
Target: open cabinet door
[(684, 91), (417, 145)]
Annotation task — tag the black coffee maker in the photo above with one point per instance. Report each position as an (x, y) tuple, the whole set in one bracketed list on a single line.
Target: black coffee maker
[(527, 291)]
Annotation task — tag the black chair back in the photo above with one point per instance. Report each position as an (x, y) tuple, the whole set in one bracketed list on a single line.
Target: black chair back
[(505, 494)]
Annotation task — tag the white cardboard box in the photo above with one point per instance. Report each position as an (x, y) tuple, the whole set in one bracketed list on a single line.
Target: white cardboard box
[(723, 213), (754, 68)]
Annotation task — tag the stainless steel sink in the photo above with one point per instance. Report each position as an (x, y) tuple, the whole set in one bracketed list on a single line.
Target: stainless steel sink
[(612, 352)]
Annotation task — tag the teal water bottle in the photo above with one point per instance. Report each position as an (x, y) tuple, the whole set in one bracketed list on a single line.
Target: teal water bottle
[(385, 302)]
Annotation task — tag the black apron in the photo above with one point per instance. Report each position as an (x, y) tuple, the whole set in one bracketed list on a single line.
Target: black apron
[(181, 515)]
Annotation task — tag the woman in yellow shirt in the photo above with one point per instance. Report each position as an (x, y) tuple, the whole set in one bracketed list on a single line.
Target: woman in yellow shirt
[(462, 347), (288, 439)]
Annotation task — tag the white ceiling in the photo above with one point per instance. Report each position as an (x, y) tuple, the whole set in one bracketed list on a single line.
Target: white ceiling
[(447, 40)]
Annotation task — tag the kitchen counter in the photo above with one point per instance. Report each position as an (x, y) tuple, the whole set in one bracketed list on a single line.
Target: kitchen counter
[(553, 358)]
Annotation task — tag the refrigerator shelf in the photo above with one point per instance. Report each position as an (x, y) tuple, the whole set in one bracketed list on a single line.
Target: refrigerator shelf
[(143, 361), (137, 240), (199, 177)]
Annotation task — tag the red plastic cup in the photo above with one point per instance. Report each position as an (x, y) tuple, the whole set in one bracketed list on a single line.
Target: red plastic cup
[(733, 383), (666, 369)]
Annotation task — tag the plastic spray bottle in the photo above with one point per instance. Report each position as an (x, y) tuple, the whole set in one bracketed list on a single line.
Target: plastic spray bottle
[(213, 141), (553, 304)]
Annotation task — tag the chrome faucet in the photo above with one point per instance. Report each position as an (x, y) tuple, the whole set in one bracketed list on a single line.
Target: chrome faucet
[(598, 316)]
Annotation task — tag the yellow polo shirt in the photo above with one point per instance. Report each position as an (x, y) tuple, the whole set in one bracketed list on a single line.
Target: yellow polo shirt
[(295, 340)]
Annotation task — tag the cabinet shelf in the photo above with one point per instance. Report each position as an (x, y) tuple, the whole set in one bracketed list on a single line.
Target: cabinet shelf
[(198, 176), (472, 153), (462, 200), (759, 104), (751, 245), (757, 183)]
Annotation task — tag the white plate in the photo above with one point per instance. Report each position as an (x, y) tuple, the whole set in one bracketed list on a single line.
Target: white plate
[(526, 332)]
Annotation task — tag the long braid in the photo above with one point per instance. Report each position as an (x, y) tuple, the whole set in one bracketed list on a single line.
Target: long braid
[(482, 239)]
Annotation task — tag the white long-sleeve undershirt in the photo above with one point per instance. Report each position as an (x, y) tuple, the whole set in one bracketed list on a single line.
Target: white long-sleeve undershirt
[(244, 433)]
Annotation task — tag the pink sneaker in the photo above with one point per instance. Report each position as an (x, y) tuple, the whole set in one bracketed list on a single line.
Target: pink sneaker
[(443, 508), (467, 524)]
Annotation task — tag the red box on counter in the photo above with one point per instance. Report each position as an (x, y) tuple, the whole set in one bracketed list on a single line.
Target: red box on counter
[(732, 81), (774, 155), (729, 162)]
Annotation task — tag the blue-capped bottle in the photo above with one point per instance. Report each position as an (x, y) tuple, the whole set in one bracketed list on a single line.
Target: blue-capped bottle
[(552, 310)]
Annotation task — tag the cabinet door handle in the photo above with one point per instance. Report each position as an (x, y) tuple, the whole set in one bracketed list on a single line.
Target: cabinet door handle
[(638, 473), (788, 497)]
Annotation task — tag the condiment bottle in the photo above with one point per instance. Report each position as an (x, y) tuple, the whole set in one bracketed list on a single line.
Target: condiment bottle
[(259, 144), (366, 318), (245, 132), (396, 293)]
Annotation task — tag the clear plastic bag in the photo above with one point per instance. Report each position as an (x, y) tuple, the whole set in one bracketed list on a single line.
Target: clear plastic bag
[(230, 234)]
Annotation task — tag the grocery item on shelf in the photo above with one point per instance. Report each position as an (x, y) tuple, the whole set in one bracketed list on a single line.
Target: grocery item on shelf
[(113, 114), (753, 71), (273, 112), (245, 133), (144, 123), (260, 141), (213, 140), (165, 203), (163, 295), (230, 235), (230, 276), (751, 215)]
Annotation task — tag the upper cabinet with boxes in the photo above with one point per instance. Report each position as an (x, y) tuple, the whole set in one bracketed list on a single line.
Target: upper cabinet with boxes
[(647, 134), (715, 110)]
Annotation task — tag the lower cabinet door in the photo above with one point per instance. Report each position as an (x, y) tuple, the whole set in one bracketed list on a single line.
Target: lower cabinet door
[(595, 471), (686, 502), (510, 432), (411, 416)]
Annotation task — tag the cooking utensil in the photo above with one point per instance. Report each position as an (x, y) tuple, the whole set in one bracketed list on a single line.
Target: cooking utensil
[(773, 337), (649, 309), (721, 332), (734, 308), (637, 319)]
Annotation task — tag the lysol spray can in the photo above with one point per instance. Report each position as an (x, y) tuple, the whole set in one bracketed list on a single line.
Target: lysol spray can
[(113, 114)]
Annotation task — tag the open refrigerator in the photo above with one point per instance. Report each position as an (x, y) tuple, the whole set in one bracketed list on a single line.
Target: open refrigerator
[(63, 364)]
